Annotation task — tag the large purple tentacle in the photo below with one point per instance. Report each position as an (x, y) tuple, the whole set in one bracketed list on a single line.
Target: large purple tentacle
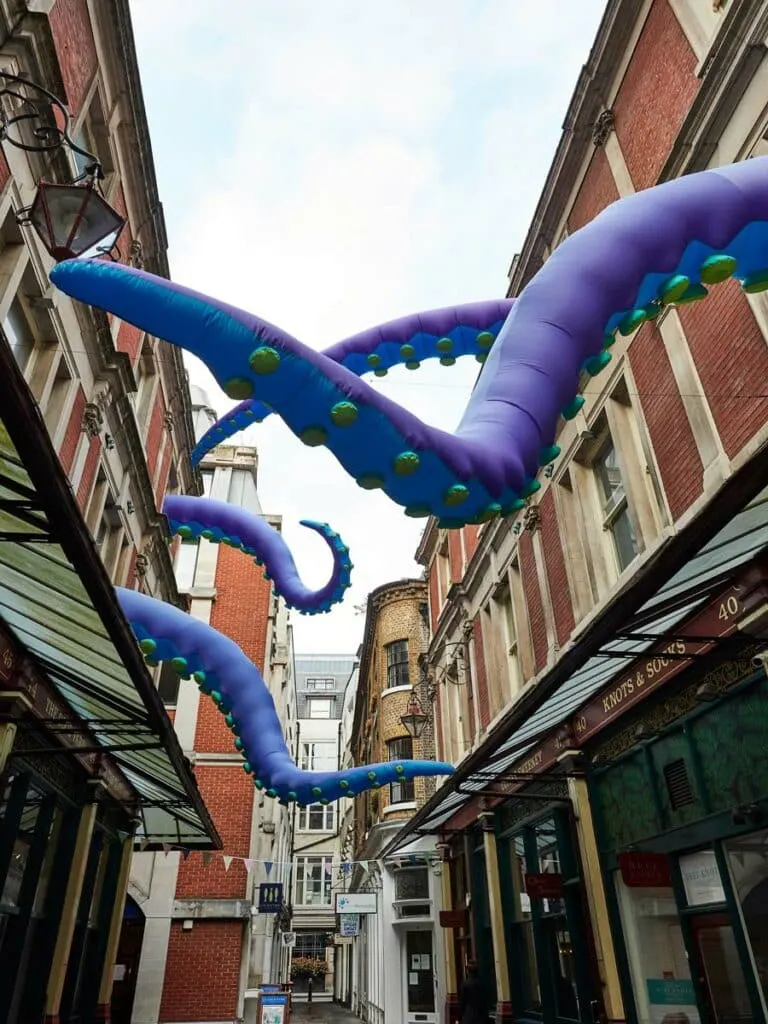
[(655, 247), (408, 341), (220, 522), (222, 670)]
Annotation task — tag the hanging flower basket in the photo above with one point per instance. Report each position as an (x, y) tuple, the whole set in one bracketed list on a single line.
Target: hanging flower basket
[(308, 967)]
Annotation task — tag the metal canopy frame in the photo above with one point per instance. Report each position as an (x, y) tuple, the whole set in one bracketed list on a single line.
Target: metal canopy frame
[(60, 606)]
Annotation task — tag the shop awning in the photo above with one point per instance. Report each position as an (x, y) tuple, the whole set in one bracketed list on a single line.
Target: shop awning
[(57, 600), (743, 538)]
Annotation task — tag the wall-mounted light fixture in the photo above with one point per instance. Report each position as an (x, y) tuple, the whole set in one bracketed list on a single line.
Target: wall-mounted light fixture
[(72, 218), (415, 718)]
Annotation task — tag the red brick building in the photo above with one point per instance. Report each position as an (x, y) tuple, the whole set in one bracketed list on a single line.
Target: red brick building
[(652, 505), (204, 946)]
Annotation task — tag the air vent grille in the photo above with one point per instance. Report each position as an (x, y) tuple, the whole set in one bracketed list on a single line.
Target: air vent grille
[(678, 785)]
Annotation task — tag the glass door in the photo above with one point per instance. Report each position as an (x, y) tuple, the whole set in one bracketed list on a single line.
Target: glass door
[(719, 970), (420, 974)]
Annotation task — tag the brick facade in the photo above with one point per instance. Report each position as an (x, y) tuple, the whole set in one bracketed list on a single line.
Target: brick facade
[(598, 190), (674, 445), (655, 95), (562, 607), (228, 793), (394, 614), (73, 432), (76, 49), (213, 950), (732, 374), (203, 972)]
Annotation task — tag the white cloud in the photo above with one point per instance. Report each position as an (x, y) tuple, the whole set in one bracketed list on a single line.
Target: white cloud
[(366, 160)]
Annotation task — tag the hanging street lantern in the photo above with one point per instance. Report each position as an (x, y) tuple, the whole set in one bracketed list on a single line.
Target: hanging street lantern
[(415, 718), (71, 219), (74, 220)]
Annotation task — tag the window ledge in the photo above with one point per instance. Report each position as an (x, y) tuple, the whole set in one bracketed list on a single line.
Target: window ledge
[(396, 689), (407, 805)]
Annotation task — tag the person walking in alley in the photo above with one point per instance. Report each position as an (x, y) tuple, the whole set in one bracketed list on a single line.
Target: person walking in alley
[(473, 1002)]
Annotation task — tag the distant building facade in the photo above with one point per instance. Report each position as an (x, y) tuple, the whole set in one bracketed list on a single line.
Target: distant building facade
[(321, 684), (201, 913), (397, 960)]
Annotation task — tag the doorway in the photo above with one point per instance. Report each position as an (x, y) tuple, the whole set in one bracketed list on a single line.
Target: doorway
[(718, 968), (127, 963), (420, 976)]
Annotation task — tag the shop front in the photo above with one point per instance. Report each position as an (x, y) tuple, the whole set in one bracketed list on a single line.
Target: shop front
[(89, 763), (682, 825)]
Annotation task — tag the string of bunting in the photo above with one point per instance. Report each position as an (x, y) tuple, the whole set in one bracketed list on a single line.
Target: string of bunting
[(208, 856)]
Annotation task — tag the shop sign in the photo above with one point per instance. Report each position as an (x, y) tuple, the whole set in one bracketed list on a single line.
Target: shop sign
[(273, 1008), (701, 878), (545, 886), (717, 620), (454, 919), (270, 897), (356, 903), (645, 870), (672, 999), (349, 925)]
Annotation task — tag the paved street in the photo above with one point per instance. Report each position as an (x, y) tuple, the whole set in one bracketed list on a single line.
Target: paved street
[(322, 1013)]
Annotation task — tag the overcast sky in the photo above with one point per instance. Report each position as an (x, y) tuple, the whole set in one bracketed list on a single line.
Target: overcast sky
[(331, 164)]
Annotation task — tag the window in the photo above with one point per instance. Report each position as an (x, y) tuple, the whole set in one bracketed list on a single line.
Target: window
[(19, 334), (398, 673), (207, 476), (319, 757), (401, 749), (320, 707), (56, 405), (310, 945), (321, 684), (186, 564), (168, 684), (412, 884), (316, 818), (313, 882), (109, 535), (613, 499)]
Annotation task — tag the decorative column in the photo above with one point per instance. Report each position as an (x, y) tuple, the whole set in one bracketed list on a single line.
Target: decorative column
[(103, 1012), (451, 987), (500, 964), (61, 951), (598, 904)]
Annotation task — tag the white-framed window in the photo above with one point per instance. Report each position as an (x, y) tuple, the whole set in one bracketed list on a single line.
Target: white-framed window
[(398, 665), (317, 818), (614, 505), (319, 756), (18, 330), (320, 707), (314, 882), (186, 564), (402, 791), (321, 683)]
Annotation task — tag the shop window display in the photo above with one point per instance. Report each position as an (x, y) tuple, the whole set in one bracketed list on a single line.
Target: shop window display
[(661, 977)]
